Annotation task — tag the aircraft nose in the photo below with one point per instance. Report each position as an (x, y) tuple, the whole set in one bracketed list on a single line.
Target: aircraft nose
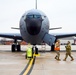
[(33, 26)]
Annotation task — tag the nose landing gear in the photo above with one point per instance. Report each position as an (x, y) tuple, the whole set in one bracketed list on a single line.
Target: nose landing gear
[(35, 50)]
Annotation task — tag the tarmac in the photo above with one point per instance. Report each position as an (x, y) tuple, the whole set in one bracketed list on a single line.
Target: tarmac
[(45, 64)]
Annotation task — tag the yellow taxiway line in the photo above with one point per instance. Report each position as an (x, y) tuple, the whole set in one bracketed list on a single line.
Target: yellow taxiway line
[(30, 64)]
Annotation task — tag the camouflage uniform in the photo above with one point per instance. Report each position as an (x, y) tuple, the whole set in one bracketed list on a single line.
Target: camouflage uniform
[(57, 49), (68, 51)]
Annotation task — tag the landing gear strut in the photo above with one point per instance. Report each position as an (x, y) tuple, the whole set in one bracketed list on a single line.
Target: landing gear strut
[(15, 46), (35, 49), (52, 47)]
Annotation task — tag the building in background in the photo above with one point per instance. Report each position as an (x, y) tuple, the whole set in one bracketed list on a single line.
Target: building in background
[(4, 41)]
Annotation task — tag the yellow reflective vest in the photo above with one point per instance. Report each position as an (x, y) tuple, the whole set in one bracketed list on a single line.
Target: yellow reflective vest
[(29, 52)]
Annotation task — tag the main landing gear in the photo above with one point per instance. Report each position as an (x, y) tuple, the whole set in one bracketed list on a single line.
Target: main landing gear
[(52, 47), (15, 46)]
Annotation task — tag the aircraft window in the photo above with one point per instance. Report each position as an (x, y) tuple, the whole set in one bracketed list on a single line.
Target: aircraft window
[(29, 16), (37, 16), (33, 16)]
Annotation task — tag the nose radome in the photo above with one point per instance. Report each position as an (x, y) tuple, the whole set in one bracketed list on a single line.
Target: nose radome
[(33, 26)]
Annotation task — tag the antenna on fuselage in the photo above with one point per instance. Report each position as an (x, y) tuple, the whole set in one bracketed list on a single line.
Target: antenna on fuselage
[(36, 4)]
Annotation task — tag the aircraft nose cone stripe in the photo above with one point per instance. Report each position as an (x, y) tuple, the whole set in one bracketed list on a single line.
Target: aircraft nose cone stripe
[(33, 26)]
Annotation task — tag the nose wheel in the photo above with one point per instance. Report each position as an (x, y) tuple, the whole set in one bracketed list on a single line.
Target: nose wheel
[(35, 49)]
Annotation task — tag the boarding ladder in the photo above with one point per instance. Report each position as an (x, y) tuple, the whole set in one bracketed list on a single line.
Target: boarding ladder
[(43, 47)]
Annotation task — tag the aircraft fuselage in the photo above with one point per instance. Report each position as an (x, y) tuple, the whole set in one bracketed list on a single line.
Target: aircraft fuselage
[(34, 24)]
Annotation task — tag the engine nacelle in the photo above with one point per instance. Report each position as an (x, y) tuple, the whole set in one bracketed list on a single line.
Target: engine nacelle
[(49, 39)]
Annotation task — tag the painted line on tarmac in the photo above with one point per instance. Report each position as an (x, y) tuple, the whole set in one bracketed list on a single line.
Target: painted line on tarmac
[(31, 68), (27, 70)]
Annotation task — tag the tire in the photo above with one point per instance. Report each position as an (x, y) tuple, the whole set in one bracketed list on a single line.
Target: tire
[(26, 56), (36, 50), (52, 47), (13, 48), (18, 48)]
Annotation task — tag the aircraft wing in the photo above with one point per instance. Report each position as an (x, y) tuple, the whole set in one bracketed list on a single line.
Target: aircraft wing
[(11, 36), (51, 38), (59, 36)]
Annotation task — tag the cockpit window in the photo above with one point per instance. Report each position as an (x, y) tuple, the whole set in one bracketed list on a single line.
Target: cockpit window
[(37, 16), (29, 16), (34, 16)]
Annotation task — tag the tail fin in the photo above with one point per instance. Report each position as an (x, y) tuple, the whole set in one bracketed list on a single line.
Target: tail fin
[(36, 4)]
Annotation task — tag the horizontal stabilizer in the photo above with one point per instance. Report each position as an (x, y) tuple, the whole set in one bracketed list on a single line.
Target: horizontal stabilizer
[(49, 39), (15, 28), (55, 28)]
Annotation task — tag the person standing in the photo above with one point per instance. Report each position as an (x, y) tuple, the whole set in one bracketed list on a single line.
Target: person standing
[(68, 51), (57, 49)]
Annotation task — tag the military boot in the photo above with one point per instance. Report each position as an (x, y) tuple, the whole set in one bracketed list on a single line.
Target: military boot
[(64, 59), (72, 59), (59, 59), (56, 57)]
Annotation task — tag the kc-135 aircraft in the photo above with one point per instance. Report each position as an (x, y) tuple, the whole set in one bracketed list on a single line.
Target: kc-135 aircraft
[(34, 29)]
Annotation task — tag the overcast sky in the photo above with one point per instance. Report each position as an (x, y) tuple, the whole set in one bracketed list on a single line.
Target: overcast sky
[(61, 13)]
